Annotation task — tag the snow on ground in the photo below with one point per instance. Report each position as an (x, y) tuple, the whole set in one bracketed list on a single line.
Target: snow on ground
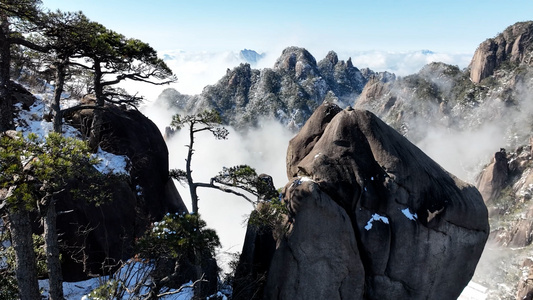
[(111, 163), (33, 121), (128, 275), (474, 291), (81, 289)]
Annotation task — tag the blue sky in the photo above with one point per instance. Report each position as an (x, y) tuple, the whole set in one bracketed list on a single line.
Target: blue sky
[(450, 26), (202, 36)]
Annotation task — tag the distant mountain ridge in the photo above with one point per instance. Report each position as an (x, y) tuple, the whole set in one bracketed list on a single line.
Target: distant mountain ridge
[(251, 56), (289, 92)]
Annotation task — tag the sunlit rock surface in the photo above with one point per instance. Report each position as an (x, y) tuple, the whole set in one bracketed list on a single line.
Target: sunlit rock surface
[(514, 45)]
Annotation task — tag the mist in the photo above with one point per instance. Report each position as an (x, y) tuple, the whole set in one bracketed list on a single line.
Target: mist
[(263, 148), (405, 63), (495, 124), (463, 153)]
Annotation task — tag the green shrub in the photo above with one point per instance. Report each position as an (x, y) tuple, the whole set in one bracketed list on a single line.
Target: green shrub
[(176, 235)]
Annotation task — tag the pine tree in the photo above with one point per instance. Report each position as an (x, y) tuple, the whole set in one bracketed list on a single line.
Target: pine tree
[(14, 18), (240, 177), (34, 172)]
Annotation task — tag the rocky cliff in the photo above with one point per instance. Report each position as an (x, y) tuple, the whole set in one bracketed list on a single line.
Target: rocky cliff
[(372, 217), (513, 46), (95, 237), (98, 235), (494, 90), (507, 187), (288, 92)]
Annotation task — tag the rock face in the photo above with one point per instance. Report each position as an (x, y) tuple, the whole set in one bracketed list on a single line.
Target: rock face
[(95, 236), (372, 217), (254, 261), (525, 285), (507, 187), (289, 92), (513, 45), (494, 177)]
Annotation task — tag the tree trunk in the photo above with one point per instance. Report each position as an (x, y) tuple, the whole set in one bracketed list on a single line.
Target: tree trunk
[(56, 106), (190, 182), (98, 87), (22, 242), (6, 105), (52, 252)]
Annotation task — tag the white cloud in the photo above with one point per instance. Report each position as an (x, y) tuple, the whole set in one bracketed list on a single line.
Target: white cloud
[(463, 153), (405, 63), (263, 149)]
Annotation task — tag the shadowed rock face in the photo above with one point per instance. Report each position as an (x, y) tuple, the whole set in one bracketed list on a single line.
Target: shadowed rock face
[(98, 236), (372, 217)]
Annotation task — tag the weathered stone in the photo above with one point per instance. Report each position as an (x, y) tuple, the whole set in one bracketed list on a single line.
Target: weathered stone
[(494, 177), (525, 285), (97, 237), (21, 95), (254, 262), (513, 45), (320, 258), (371, 216)]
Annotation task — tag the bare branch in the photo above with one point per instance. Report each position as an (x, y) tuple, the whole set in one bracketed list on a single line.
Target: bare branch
[(183, 287), (224, 189)]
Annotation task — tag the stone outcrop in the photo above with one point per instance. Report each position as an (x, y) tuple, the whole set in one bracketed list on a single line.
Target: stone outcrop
[(21, 96), (525, 285), (130, 133), (514, 45), (507, 188), (494, 177), (254, 261), (97, 236), (372, 217)]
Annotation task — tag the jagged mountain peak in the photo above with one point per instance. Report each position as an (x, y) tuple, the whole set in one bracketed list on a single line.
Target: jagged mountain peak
[(251, 56), (331, 57), (296, 60), (288, 92)]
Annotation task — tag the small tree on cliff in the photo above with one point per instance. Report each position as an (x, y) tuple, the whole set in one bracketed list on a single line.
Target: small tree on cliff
[(242, 177)]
